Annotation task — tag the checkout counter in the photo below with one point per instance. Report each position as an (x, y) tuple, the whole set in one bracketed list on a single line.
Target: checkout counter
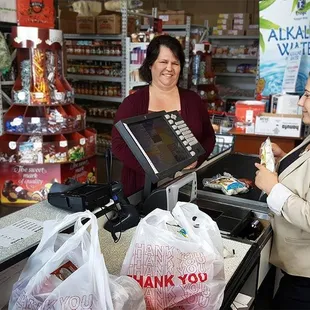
[(249, 243)]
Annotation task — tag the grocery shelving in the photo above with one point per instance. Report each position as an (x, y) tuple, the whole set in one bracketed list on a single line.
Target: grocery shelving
[(99, 120), (232, 37), (95, 57), (132, 68), (102, 78), (242, 57), (176, 30), (230, 59), (124, 58), (235, 74), (99, 98), (73, 36)]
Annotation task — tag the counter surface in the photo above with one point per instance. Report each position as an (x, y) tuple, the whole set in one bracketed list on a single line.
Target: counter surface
[(114, 253), (40, 211)]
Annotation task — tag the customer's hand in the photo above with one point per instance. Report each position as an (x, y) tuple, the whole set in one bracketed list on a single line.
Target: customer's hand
[(192, 166), (265, 179), (277, 151)]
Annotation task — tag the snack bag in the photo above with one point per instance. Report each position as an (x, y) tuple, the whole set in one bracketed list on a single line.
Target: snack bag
[(266, 155), (227, 184)]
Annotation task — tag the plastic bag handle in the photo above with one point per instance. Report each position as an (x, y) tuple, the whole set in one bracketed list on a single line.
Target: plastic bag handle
[(65, 223), (72, 241)]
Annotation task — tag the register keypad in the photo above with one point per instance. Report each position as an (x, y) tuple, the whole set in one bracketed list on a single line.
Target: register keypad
[(184, 134)]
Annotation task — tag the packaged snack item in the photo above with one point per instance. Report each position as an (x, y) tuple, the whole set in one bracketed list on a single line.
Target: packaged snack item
[(240, 68), (227, 184), (64, 271), (251, 69), (266, 155)]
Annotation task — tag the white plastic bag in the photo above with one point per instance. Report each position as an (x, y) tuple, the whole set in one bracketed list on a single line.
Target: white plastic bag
[(177, 259), (86, 288), (126, 293)]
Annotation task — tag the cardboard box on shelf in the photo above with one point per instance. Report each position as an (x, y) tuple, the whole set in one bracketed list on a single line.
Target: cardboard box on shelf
[(239, 27), (252, 32), (253, 26), (209, 20), (86, 24), (278, 125), (242, 16), (239, 21), (67, 21), (217, 32), (8, 11), (223, 27), (225, 21), (180, 17), (226, 16), (234, 32), (131, 25), (109, 24), (172, 17)]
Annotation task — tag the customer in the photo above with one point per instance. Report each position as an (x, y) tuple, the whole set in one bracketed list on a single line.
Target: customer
[(161, 69), (288, 193)]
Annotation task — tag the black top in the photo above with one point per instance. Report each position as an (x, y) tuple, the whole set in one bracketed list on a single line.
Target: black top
[(291, 158)]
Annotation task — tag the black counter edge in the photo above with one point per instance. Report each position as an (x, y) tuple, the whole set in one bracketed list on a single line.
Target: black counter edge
[(237, 281)]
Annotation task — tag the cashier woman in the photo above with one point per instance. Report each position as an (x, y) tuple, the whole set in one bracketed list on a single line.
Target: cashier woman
[(161, 69), (288, 193)]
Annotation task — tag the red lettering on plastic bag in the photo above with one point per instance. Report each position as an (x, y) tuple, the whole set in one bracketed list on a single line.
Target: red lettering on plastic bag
[(170, 277)]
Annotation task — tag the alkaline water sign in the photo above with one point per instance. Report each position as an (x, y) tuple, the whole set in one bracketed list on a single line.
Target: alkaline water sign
[(284, 29)]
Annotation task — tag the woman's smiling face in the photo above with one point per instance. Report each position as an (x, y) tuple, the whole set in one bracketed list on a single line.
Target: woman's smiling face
[(166, 69), (304, 102)]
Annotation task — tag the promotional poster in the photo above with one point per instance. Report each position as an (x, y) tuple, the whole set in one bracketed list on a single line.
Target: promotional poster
[(284, 26), (28, 184)]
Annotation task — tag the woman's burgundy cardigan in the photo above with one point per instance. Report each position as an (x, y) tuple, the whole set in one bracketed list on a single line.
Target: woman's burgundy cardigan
[(195, 115)]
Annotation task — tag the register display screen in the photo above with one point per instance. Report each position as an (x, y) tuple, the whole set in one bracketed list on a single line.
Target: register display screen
[(159, 143)]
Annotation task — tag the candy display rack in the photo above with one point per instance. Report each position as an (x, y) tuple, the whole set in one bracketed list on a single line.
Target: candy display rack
[(45, 139)]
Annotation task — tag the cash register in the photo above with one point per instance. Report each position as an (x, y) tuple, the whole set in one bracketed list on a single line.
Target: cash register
[(163, 144)]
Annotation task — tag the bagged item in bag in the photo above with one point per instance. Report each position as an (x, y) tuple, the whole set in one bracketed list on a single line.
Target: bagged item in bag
[(227, 184), (266, 155), (68, 271), (178, 259), (126, 294)]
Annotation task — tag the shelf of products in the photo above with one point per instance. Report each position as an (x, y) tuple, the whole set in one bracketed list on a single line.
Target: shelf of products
[(94, 57), (136, 54), (73, 36), (100, 120), (235, 74), (235, 57), (94, 78), (99, 98), (243, 57), (94, 70), (232, 37)]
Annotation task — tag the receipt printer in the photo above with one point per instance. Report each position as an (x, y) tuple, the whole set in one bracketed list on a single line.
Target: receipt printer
[(79, 197)]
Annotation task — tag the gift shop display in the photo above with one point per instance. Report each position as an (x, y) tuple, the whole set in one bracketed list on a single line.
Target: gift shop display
[(44, 139)]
